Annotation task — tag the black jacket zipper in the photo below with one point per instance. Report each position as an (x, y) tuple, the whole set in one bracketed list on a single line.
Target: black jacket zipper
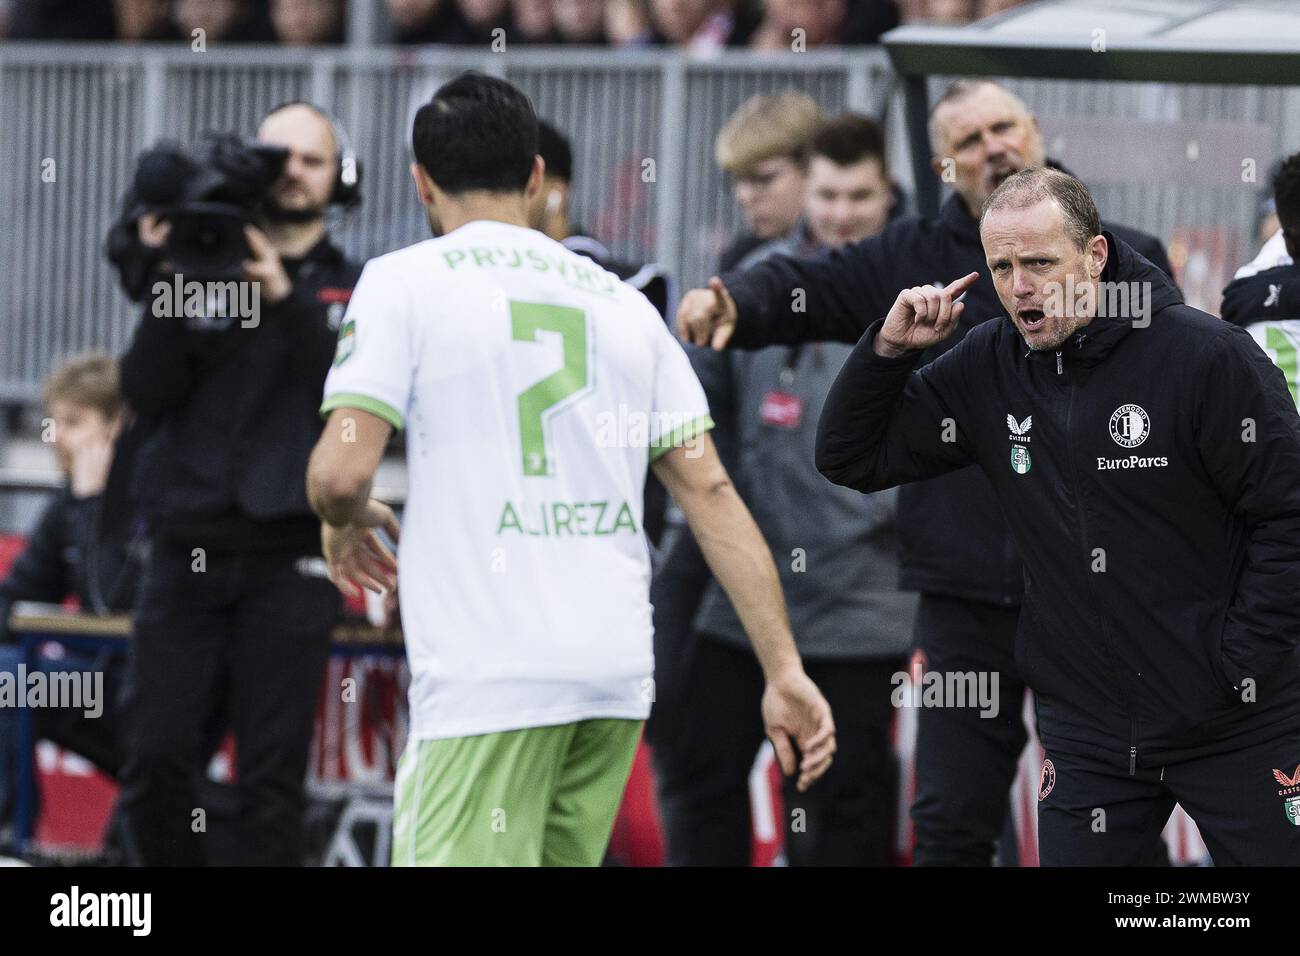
[(1121, 682)]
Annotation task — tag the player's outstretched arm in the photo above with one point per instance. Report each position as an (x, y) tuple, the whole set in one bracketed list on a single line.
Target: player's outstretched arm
[(339, 476), (787, 299), (793, 707)]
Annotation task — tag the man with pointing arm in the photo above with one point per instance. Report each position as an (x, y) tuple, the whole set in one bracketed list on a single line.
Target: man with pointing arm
[(1147, 467), (955, 548)]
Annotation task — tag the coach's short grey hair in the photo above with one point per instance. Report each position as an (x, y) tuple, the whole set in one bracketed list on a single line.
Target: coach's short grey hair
[(1031, 186)]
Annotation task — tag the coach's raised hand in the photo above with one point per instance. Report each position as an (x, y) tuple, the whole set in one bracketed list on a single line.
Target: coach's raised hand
[(921, 317), (707, 316)]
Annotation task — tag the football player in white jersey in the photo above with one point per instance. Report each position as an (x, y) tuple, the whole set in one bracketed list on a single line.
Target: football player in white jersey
[(535, 388)]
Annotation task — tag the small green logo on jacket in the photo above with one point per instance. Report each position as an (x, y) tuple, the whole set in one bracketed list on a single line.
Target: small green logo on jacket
[(1020, 460)]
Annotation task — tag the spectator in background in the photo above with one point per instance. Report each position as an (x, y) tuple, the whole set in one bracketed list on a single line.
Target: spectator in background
[(703, 25), (418, 21), (534, 21), (143, 21), (227, 21), (581, 22), (808, 23), (477, 21), (68, 556), (62, 20), (761, 147), (837, 553), (308, 22), (627, 23), (823, 22)]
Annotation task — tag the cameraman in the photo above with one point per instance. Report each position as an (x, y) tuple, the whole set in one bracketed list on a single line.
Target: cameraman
[(235, 606)]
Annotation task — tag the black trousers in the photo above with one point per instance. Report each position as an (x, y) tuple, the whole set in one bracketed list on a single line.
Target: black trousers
[(255, 628), (1092, 814), (966, 763), (702, 768)]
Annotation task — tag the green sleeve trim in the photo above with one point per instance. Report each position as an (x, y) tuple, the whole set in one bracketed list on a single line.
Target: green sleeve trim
[(366, 404), (680, 436)]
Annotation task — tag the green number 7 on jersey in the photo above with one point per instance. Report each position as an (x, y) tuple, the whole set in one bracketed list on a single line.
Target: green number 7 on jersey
[(537, 403)]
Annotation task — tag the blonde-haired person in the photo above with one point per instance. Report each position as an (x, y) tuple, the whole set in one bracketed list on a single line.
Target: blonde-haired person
[(761, 148), (67, 556), (627, 23)]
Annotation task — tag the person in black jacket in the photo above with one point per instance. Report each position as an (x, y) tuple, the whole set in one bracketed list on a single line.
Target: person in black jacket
[(235, 598), (1268, 302), (67, 555), (1147, 456), (956, 548)]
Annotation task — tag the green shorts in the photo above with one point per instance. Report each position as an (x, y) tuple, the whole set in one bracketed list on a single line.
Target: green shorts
[(541, 796)]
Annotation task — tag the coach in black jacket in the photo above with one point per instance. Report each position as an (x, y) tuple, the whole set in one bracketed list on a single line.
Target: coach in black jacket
[(235, 610), (1148, 461), (955, 546)]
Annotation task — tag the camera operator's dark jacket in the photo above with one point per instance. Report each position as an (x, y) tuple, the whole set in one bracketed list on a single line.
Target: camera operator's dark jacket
[(70, 554), (953, 538), (1152, 482), (231, 416)]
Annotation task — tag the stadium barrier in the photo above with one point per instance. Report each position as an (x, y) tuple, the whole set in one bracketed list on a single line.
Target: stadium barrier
[(1168, 159)]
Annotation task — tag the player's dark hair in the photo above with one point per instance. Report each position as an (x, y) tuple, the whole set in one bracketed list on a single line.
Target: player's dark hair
[(1286, 194), (477, 133), (555, 151), (848, 139)]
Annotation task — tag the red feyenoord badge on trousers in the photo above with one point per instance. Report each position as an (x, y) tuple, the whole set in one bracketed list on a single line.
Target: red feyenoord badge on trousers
[(781, 410), (1046, 780)]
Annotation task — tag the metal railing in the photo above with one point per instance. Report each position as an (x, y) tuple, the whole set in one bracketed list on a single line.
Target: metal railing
[(76, 116)]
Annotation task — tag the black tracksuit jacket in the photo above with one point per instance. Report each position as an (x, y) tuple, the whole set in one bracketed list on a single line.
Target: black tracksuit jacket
[(953, 539), (1155, 497)]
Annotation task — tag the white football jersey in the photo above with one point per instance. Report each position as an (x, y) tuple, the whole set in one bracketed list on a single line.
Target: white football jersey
[(534, 387)]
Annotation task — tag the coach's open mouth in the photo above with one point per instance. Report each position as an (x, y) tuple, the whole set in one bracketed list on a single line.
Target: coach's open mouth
[(1031, 319)]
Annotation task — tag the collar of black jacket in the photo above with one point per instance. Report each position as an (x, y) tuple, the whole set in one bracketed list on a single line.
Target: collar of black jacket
[(324, 253), (1145, 289)]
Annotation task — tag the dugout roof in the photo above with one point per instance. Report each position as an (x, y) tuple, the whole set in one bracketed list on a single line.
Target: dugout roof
[(1254, 42)]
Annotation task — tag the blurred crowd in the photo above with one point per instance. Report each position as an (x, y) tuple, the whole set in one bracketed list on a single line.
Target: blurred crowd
[(693, 24)]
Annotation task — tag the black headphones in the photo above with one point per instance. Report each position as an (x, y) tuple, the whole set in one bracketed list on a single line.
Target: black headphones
[(347, 181)]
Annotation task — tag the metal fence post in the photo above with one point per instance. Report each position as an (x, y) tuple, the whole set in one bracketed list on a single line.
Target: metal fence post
[(670, 164)]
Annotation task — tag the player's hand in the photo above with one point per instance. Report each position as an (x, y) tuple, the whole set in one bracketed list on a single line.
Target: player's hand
[(357, 557), (921, 317), (793, 707), (266, 267), (707, 316)]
